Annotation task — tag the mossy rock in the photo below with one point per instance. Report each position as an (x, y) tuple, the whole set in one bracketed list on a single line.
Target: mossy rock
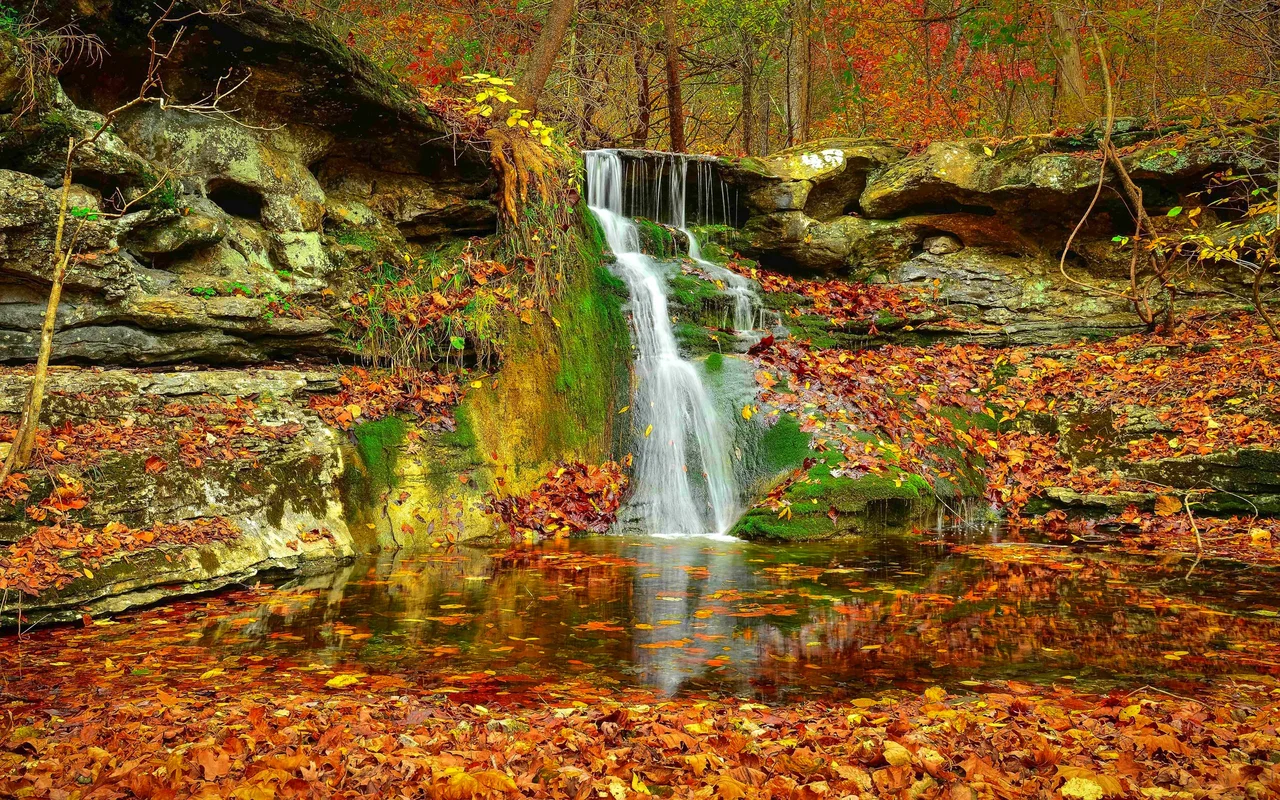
[(830, 507), (379, 443), (657, 240)]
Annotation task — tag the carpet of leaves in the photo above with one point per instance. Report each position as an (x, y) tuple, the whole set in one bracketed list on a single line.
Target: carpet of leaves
[(425, 395), (842, 302), (152, 714), (572, 498), (55, 555), (1210, 387), (204, 430)]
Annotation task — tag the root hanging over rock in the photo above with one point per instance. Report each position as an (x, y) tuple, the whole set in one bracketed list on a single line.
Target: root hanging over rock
[(522, 165)]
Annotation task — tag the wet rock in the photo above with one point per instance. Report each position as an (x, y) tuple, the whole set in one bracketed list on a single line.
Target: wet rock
[(286, 501), (942, 245)]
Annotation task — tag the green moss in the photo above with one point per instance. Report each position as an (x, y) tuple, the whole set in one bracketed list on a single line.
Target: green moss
[(694, 339), (784, 446), (714, 240), (463, 436), (758, 525), (714, 363), (354, 237), (897, 499), (379, 443), (655, 239), (693, 293), (593, 341)]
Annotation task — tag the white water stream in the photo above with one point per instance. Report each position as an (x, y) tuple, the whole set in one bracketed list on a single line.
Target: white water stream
[(683, 480)]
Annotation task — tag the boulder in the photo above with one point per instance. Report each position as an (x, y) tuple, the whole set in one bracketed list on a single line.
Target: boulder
[(988, 222), (286, 501), (191, 227)]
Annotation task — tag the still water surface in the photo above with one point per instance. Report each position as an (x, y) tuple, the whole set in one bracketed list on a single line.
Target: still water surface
[(771, 622)]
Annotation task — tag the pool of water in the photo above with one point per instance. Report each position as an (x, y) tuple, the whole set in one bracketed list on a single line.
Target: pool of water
[(771, 622)]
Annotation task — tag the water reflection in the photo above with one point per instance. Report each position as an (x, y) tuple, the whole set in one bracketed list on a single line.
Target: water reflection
[(834, 620)]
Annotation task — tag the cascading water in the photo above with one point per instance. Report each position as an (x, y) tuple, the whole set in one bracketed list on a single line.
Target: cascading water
[(683, 479), (658, 187)]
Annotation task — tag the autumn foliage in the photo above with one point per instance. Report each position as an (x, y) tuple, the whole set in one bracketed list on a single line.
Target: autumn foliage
[(1008, 413), (427, 396), (572, 498), (842, 302), (55, 555)]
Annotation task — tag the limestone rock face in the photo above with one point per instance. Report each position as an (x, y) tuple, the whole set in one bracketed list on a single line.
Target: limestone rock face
[(284, 497), (190, 226), (985, 223)]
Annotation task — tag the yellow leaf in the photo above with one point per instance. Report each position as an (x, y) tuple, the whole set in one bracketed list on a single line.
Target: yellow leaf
[(88, 573), (896, 754), (354, 410), (648, 431), (1167, 505), (637, 785), (1260, 537), (213, 673), (342, 681)]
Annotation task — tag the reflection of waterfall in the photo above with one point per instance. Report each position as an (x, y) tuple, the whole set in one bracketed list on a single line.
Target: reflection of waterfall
[(684, 483), (680, 594)]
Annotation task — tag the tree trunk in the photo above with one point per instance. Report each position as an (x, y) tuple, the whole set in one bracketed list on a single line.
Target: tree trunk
[(25, 437), (675, 104), (764, 101), (640, 139), (1272, 51), (1073, 88), (543, 57), (748, 116), (798, 73)]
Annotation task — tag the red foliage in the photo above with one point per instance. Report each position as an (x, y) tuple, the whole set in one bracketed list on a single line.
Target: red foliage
[(573, 498), (425, 395), (54, 556)]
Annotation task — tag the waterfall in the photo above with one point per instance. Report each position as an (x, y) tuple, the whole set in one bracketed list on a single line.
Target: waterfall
[(683, 480), (658, 187)]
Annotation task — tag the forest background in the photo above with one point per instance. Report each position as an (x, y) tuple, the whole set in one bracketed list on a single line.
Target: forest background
[(755, 76)]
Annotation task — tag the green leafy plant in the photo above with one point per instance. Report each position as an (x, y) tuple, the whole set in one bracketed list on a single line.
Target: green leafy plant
[(204, 291)]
